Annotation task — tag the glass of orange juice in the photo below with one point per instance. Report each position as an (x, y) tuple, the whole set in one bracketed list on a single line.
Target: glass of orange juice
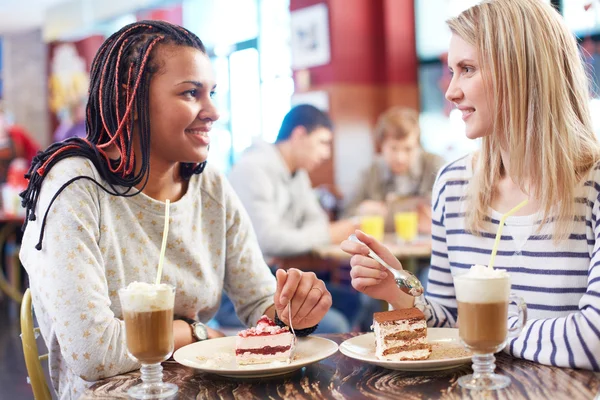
[(373, 225), (407, 225)]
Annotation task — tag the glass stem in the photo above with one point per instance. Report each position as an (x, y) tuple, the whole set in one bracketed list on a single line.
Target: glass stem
[(483, 366), (151, 373)]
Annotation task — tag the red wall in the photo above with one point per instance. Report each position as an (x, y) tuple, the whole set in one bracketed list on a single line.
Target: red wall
[(400, 41), (372, 41), (373, 66)]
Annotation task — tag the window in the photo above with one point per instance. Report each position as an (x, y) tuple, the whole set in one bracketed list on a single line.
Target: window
[(582, 16), (250, 51)]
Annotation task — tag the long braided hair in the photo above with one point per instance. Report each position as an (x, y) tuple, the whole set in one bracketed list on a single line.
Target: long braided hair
[(119, 84)]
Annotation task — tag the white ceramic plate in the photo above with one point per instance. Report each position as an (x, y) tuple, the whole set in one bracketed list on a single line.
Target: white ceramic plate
[(446, 352), (217, 356)]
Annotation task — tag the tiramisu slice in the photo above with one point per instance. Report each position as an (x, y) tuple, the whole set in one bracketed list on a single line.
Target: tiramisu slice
[(400, 335), (265, 343)]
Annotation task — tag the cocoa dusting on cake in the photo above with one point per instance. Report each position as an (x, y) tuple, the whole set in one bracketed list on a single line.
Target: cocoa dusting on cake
[(408, 314)]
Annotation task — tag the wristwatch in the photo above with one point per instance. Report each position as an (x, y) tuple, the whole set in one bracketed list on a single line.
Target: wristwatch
[(199, 331)]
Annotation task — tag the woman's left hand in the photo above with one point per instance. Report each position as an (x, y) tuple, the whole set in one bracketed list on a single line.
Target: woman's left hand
[(309, 297)]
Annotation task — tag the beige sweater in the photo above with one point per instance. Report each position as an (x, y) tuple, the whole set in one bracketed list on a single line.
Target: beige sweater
[(96, 243)]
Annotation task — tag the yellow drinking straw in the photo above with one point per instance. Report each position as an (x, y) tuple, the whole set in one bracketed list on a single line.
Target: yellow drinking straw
[(499, 233), (161, 258)]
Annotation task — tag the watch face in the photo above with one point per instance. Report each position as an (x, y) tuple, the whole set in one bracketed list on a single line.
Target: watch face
[(200, 331)]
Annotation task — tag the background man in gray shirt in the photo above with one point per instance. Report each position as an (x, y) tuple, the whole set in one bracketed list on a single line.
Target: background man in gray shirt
[(273, 184)]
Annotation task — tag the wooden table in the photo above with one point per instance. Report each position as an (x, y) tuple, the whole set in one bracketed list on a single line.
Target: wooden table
[(340, 377)]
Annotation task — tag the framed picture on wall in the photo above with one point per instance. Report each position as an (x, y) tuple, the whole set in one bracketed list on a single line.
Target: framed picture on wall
[(310, 37)]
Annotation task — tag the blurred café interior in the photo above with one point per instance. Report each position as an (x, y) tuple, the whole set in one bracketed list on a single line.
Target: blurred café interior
[(371, 66)]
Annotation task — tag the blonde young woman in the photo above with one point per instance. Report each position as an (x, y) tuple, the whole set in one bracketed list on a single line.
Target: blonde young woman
[(520, 83)]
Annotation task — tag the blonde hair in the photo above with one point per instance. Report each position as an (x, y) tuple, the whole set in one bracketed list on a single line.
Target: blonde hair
[(396, 123), (531, 64)]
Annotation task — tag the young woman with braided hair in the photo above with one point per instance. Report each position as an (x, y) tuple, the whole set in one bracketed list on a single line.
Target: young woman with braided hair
[(95, 211)]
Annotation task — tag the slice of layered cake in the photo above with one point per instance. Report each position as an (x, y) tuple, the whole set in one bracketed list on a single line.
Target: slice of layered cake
[(400, 335), (264, 343)]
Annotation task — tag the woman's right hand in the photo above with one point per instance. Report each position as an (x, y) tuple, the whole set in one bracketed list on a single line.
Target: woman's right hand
[(370, 277)]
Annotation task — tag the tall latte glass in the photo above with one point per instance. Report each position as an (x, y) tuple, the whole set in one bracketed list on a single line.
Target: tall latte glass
[(483, 297), (148, 315)]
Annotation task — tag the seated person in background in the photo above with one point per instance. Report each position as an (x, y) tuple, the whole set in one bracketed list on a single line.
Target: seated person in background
[(96, 207), (404, 173), (15, 142), (273, 184), (538, 144)]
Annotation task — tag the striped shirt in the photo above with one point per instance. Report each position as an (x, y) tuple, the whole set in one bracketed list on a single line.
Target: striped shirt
[(560, 282)]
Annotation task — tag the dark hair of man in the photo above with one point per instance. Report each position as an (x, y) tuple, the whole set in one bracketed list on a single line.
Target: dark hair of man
[(310, 117), (119, 84)]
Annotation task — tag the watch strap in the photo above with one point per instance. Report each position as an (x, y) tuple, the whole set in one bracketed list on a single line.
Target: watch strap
[(186, 319), (299, 332)]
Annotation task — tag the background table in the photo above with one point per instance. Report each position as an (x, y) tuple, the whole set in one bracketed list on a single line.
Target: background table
[(420, 248)]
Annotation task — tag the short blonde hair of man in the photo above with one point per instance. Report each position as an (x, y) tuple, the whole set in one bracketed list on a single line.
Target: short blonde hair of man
[(534, 72), (396, 123)]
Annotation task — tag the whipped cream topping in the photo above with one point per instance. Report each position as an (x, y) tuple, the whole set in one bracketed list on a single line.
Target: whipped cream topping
[(482, 272), (482, 285), (146, 297)]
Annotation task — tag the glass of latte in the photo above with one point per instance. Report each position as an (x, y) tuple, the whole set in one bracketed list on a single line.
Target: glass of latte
[(148, 315), (483, 296)]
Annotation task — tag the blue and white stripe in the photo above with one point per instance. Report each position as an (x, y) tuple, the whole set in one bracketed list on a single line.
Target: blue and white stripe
[(560, 282)]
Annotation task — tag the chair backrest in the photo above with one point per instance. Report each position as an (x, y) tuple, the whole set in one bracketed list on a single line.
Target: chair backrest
[(30, 351)]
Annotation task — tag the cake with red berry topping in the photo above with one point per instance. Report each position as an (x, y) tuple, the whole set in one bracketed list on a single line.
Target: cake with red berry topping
[(265, 343)]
